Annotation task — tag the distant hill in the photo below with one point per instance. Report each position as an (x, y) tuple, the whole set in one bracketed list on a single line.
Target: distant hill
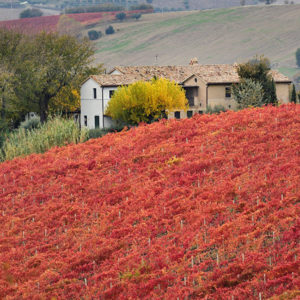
[(199, 4), (214, 36), (201, 208), (49, 23)]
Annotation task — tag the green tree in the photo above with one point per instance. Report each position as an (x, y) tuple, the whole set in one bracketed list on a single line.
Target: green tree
[(47, 64), (68, 98), (9, 44), (109, 30), (136, 16), (272, 93), (69, 26), (248, 93), (186, 4), (146, 101), (268, 1), (258, 69), (298, 57), (6, 95), (121, 16), (142, 6), (31, 13), (94, 35), (293, 94)]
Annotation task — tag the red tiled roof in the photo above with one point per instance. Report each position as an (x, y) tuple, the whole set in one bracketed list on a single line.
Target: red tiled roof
[(210, 74)]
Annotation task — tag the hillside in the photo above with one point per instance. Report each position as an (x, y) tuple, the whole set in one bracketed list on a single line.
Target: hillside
[(7, 14), (49, 23), (206, 207), (214, 36)]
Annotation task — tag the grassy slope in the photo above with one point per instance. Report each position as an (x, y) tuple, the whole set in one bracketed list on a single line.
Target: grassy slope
[(215, 36), (206, 207)]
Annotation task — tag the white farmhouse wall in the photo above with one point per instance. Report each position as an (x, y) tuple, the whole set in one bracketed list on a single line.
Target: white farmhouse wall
[(283, 92), (106, 91), (92, 107)]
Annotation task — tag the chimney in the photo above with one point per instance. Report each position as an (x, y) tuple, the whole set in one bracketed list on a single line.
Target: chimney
[(194, 61)]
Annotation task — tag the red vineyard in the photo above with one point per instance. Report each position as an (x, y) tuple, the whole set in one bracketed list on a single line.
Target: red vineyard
[(49, 23), (206, 208)]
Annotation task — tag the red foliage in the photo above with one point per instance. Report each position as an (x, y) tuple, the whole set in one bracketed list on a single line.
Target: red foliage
[(206, 207), (49, 23)]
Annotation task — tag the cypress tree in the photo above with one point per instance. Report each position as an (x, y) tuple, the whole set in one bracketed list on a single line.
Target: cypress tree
[(272, 95), (293, 95)]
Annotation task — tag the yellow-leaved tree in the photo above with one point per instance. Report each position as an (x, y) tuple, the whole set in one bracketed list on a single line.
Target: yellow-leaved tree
[(146, 101)]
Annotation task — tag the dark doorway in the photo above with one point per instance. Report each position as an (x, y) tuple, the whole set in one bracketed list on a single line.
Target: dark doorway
[(97, 121), (191, 93)]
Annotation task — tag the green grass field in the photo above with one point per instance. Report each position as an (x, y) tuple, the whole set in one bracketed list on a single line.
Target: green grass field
[(214, 36)]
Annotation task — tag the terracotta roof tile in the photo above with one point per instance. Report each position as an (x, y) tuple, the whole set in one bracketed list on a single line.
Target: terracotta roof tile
[(116, 80), (210, 74)]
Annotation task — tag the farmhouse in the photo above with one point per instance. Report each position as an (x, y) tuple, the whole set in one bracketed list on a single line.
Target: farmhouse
[(205, 85)]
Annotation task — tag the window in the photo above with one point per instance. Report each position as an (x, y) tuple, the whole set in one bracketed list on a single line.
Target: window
[(196, 79), (189, 113), (200, 112), (97, 122), (228, 92), (111, 93), (85, 120), (95, 93), (177, 114)]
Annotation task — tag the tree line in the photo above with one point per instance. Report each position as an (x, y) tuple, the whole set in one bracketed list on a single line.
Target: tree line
[(41, 73)]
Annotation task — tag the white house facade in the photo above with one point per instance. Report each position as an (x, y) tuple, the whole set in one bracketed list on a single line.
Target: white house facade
[(94, 100)]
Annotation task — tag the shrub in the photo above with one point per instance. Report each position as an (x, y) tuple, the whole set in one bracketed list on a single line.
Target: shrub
[(248, 93), (99, 132), (298, 57), (121, 16), (3, 133), (94, 35), (94, 8), (109, 30), (142, 6), (136, 16), (31, 13), (215, 109), (31, 123), (56, 132), (96, 133)]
